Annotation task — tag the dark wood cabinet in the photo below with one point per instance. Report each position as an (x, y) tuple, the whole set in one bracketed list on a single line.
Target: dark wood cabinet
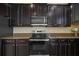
[(53, 47), (1, 49), (75, 12), (39, 9), (77, 47), (20, 14), (15, 47), (59, 15), (58, 47), (22, 48), (64, 47), (9, 47), (25, 15), (15, 14), (71, 47)]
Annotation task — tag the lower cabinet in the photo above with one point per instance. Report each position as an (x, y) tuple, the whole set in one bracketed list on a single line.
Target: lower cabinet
[(58, 47), (64, 47), (71, 47), (55, 47), (9, 47), (22, 47), (77, 47), (1, 48), (15, 47)]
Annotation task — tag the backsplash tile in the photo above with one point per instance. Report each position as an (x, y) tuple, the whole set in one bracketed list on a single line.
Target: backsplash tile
[(46, 29)]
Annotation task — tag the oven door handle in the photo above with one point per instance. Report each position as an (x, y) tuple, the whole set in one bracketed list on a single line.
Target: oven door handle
[(38, 39)]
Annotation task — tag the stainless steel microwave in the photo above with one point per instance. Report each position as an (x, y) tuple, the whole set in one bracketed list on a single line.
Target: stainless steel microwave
[(39, 21)]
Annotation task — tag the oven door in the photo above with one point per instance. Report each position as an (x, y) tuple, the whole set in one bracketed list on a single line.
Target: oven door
[(39, 47)]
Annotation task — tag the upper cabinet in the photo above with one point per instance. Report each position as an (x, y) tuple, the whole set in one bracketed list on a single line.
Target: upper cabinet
[(38, 9), (75, 12), (59, 15), (56, 15), (15, 14), (20, 14), (25, 15)]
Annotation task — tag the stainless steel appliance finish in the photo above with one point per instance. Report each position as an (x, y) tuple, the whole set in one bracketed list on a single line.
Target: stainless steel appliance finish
[(39, 39), (39, 21), (39, 43), (39, 47), (39, 35)]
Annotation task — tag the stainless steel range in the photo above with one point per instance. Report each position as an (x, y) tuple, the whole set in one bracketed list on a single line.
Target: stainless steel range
[(39, 43)]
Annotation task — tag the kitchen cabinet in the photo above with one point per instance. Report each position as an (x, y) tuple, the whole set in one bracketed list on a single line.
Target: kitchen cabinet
[(75, 12), (58, 47), (64, 47), (5, 29), (22, 48), (77, 47), (39, 9), (59, 15), (72, 47), (9, 47), (53, 47), (25, 15), (1, 47), (15, 14), (20, 15), (15, 47)]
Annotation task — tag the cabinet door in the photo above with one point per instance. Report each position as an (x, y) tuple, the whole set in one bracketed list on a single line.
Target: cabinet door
[(1, 49), (25, 15), (75, 12), (53, 50), (59, 15), (15, 14), (9, 47), (59, 47), (63, 51), (71, 47), (21, 47), (38, 9), (77, 47)]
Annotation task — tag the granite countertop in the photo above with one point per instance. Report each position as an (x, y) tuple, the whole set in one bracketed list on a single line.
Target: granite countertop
[(18, 36), (63, 35), (50, 36)]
